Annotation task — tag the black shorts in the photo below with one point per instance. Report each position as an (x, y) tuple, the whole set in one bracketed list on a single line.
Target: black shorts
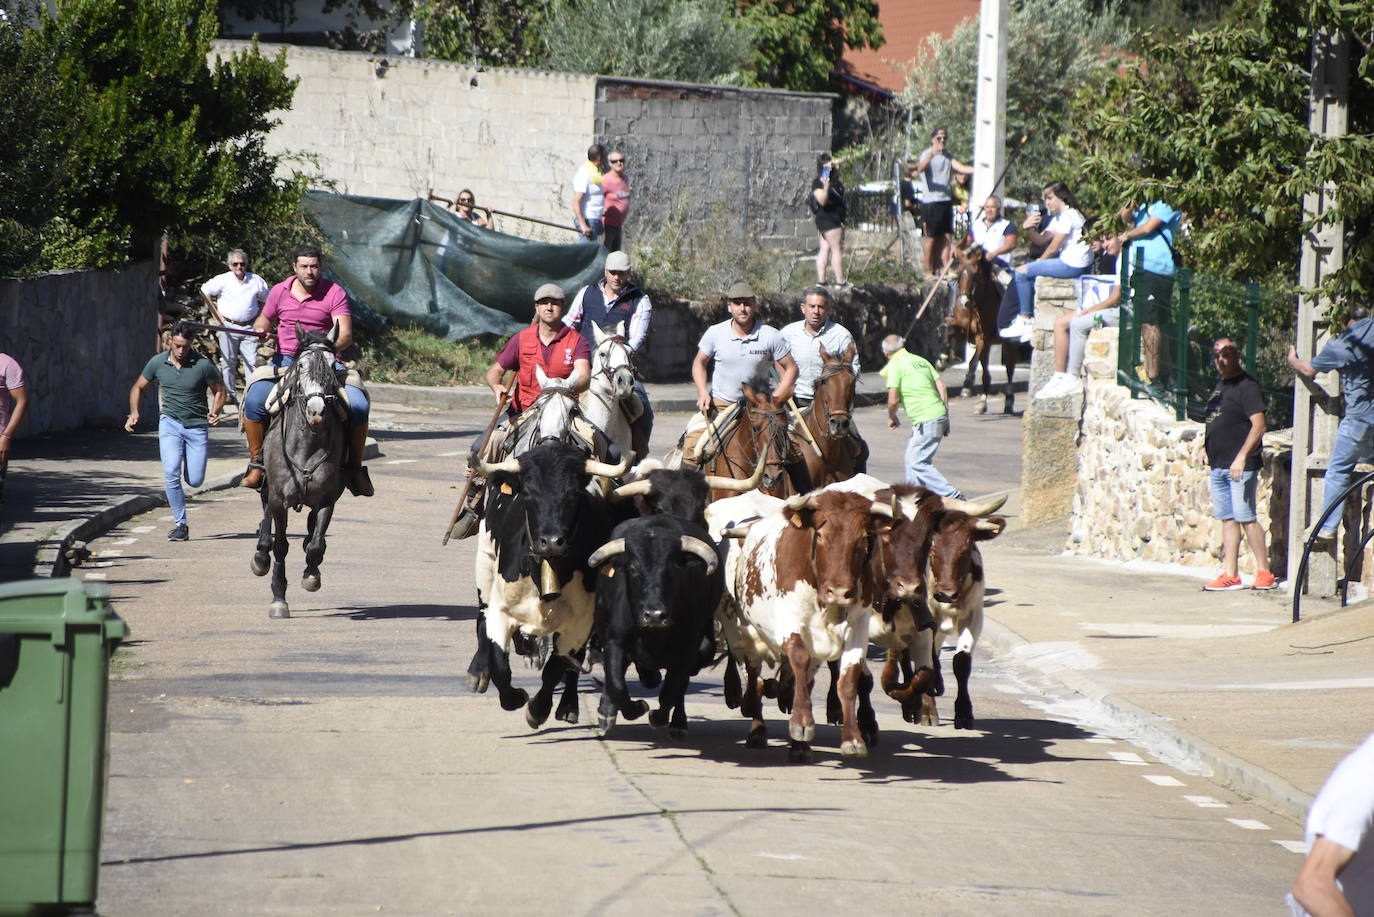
[(826, 221), (937, 219), (1152, 295)]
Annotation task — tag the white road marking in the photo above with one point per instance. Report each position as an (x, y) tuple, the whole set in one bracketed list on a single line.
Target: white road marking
[(1183, 631), (1162, 780), (109, 553), (125, 541), (1249, 824), (1127, 757), (1101, 740), (1008, 689), (95, 575), (1205, 802), (451, 454), (783, 856), (401, 462), (1293, 846), (1319, 684), (144, 528)]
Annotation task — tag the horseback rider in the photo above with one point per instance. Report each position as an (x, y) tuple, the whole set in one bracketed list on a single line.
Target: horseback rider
[(806, 337), (615, 302), (743, 349), (548, 346), (317, 304)]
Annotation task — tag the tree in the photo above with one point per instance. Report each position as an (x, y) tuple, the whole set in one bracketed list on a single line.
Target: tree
[(799, 43), (497, 33), (693, 41), (132, 132), (1215, 123), (1054, 49)]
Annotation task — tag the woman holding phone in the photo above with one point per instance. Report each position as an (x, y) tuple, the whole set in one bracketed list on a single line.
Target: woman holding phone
[(827, 204)]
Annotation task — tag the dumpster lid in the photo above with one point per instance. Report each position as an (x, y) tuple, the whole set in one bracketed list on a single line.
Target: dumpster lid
[(41, 605)]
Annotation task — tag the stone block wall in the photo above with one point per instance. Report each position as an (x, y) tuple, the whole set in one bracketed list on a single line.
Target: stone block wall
[(741, 159), (82, 338), (1050, 429)]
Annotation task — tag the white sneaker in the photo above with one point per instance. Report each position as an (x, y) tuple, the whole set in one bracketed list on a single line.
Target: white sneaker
[(1019, 329), (1055, 387), (1073, 385)]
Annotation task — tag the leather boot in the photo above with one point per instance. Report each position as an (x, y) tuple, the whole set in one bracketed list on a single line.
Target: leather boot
[(359, 483), (253, 431)]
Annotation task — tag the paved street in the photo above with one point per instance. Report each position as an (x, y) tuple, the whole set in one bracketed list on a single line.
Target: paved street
[(335, 763)]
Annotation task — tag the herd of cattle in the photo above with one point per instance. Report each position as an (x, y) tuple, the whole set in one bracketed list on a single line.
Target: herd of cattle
[(649, 573)]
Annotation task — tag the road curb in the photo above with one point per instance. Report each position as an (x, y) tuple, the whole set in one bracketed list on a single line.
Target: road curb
[(1264, 787)]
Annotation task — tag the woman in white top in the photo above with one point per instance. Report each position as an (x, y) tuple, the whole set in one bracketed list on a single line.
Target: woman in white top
[(1065, 255)]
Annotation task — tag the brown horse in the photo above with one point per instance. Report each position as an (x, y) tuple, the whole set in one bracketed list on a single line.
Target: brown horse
[(830, 421), (762, 432), (974, 321)]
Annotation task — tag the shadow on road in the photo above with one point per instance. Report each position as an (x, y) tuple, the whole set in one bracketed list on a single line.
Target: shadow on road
[(401, 612)]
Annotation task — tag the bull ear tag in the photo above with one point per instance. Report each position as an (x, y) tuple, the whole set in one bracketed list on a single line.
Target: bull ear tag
[(506, 489), (609, 572)]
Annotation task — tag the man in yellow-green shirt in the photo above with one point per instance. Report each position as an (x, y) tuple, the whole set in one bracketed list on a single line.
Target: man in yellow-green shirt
[(915, 386)]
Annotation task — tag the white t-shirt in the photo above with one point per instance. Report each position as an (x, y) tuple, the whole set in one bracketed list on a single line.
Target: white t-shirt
[(991, 237), (1074, 252), (1344, 812), (594, 202), (237, 302)]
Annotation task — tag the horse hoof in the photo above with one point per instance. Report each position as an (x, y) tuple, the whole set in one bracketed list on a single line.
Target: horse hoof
[(800, 733), (279, 610), (311, 582), (567, 715), (963, 722), (677, 734), (870, 736), (770, 687), (756, 739), (534, 719), (260, 564), (854, 749), (604, 724), (981, 409), (478, 684), (799, 753), (517, 698), (658, 718)]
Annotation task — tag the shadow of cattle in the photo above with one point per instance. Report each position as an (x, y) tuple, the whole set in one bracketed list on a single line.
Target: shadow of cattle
[(405, 612)]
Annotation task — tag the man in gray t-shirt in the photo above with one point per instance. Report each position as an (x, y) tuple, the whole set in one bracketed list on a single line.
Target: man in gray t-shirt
[(936, 169)]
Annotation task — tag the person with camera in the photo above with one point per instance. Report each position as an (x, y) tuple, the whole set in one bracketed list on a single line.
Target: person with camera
[(1066, 255), (937, 168), (827, 205)]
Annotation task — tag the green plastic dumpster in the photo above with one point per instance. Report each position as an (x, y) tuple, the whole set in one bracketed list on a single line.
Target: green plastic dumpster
[(56, 638)]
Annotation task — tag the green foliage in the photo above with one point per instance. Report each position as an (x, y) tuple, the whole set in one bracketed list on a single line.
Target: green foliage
[(798, 43), (503, 33), (128, 132), (690, 258), (694, 41), (409, 356), (1216, 124), (1054, 49)]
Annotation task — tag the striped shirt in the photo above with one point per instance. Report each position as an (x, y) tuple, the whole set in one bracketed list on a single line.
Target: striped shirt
[(806, 350)]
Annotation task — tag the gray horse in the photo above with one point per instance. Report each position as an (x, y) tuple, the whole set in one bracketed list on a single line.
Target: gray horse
[(303, 453)]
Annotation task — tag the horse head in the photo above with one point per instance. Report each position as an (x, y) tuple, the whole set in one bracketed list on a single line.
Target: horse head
[(613, 361), (834, 392), (315, 383), (555, 406), (768, 426)]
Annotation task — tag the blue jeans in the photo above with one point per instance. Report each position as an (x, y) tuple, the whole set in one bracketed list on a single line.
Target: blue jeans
[(181, 448), (1234, 500), (920, 456), (1354, 444), (594, 225), (1023, 278), (255, 399)]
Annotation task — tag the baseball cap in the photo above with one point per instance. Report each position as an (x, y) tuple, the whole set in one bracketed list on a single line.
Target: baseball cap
[(549, 291), (617, 261), (740, 290)]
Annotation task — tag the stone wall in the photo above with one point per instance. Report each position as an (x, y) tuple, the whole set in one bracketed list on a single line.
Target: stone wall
[(82, 338), (736, 160), (1122, 471)]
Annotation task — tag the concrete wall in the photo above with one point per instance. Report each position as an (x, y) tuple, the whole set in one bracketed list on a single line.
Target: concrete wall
[(82, 337), (396, 127), (741, 161)]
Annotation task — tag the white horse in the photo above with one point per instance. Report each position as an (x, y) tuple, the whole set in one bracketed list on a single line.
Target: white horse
[(610, 402)]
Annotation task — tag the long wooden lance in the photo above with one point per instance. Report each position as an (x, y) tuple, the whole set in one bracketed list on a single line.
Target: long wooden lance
[(247, 332), (467, 485)]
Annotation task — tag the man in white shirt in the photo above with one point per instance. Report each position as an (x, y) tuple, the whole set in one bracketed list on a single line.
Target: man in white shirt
[(589, 198), (994, 234), (235, 298), (1337, 878)]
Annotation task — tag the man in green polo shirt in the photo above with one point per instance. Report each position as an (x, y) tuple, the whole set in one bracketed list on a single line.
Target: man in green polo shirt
[(914, 384), (182, 378)]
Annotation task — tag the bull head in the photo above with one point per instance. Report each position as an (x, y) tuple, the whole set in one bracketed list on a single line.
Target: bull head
[(689, 545)]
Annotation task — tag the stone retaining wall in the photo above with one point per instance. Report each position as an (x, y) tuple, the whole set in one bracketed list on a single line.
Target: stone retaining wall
[(82, 338)]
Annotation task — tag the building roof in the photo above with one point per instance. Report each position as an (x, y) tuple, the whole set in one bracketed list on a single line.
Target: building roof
[(906, 23)]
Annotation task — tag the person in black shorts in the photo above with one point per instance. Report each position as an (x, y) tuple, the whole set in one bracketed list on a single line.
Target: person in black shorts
[(827, 204)]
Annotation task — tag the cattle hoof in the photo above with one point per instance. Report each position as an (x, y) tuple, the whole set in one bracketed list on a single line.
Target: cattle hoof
[(870, 736), (677, 733), (658, 718), (260, 564), (311, 582), (634, 710), (516, 699), (478, 684), (982, 408), (604, 724), (279, 610), (757, 738), (568, 714), (963, 722), (800, 733), (534, 717), (854, 749), (799, 753), (770, 687)]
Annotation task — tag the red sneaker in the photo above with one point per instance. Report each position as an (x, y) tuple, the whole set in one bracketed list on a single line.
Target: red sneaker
[(1264, 580), (1224, 583)]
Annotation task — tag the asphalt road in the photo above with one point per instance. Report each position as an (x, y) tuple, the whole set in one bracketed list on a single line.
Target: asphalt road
[(335, 764)]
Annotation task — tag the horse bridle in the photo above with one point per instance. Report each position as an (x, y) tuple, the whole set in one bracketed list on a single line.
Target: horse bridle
[(828, 371), (295, 408)]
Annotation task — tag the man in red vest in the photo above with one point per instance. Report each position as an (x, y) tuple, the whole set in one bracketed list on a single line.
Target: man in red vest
[(549, 345)]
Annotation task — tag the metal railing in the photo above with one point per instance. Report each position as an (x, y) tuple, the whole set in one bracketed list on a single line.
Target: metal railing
[(1352, 557)]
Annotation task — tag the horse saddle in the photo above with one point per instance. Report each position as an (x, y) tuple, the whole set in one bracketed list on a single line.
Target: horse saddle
[(714, 433), (278, 397)]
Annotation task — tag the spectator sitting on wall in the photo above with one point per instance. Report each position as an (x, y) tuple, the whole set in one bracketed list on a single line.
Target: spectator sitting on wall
[(464, 204), (615, 185), (589, 199), (1066, 256)]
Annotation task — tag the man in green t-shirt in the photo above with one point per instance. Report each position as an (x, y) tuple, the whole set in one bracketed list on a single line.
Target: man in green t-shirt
[(182, 378), (915, 386)]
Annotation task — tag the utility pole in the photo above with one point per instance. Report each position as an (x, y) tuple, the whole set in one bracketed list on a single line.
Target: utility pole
[(1323, 252), (990, 117)]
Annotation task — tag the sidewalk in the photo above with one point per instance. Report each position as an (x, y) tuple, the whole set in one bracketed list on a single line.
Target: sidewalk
[(1218, 684)]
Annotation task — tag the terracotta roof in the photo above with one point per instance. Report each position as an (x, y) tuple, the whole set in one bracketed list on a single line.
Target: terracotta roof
[(906, 23)]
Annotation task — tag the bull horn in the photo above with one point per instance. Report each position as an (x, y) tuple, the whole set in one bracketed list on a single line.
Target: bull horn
[(606, 552), (740, 485), (984, 507), (703, 550), (641, 488), (738, 531), (510, 466), (800, 501), (603, 470), (991, 525), (882, 509)]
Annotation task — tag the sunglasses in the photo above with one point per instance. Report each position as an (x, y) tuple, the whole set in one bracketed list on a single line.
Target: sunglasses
[(465, 200), (238, 263), (616, 161)]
